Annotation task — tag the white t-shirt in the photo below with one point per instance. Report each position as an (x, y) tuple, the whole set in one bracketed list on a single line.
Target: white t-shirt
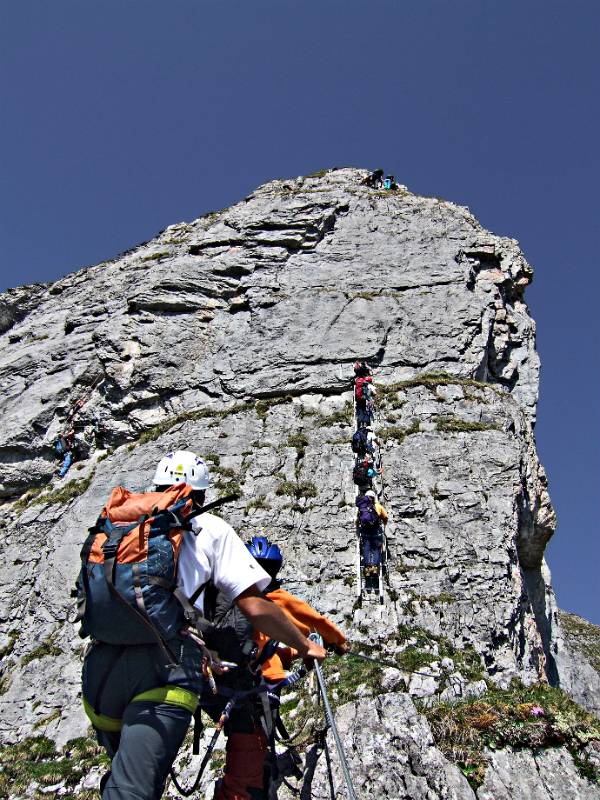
[(213, 551)]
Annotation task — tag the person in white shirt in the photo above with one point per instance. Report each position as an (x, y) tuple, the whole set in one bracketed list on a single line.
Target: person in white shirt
[(140, 705)]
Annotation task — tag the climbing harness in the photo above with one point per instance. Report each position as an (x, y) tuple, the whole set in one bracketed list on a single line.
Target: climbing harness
[(332, 724), (268, 693)]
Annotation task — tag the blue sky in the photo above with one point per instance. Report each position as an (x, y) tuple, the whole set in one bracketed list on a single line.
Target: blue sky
[(122, 117)]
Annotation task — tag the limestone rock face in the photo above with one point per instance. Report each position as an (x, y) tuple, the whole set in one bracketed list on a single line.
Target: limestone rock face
[(235, 335)]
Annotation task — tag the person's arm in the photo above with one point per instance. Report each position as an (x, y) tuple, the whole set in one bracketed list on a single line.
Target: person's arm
[(268, 618), (315, 621)]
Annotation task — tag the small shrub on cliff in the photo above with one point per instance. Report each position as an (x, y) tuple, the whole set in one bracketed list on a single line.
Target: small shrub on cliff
[(345, 416), (46, 648), (297, 489), (69, 491), (37, 759), (398, 433), (457, 425), (520, 717)]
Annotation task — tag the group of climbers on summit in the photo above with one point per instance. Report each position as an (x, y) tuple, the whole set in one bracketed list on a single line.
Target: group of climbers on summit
[(375, 180), (184, 617)]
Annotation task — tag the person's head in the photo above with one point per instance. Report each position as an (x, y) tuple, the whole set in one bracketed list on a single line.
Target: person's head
[(266, 553), (182, 466), (371, 494)]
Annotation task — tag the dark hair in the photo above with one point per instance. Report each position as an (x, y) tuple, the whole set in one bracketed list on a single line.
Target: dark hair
[(198, 495), (270, 566)]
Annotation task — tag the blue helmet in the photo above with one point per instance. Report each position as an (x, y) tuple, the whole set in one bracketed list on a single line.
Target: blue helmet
[(261, 548)]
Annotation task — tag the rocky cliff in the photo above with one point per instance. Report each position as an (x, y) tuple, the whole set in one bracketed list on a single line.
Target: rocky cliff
[(234, 335)]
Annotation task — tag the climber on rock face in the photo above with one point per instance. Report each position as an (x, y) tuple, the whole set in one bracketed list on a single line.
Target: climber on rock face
[(364, 399), (361, 369), (372, 443), (64, 447), (371, 516), (300, 613), (145, 669), (246, 745)]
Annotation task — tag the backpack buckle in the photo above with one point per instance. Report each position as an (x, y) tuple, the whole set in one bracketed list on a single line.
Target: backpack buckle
[(111, 545)]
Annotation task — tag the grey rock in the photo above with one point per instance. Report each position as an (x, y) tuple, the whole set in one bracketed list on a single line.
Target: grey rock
[(541, 775), (391, 679)]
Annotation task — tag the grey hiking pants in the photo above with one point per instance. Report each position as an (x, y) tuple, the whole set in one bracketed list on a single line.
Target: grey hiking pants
[(141, 710)]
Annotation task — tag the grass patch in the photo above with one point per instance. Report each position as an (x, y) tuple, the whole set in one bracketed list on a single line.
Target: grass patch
[(398, 433), (68, 492), (41, 723), (433, 599), (583, 636), (28, 499), (519, 717), (156, 431), (13, 637), (363, 295), (37, 759), (156, 256), (451, 424), (413, 658), (233, 487), (258, 502), (297, 489), (262, 407), (299, 441), (466, 660), (387, 394), (304, 716), (46, 648), (345, 416)]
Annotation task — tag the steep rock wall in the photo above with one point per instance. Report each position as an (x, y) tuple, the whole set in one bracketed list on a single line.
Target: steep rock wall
[(234, 335)]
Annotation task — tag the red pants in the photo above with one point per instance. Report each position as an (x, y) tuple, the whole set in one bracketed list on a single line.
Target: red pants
[(246, 754)]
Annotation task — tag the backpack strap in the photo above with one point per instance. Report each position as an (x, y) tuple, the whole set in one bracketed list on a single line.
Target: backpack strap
[(110, 549)]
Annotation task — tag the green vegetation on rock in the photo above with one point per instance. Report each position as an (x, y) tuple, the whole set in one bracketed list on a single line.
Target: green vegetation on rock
[(345, 416), (297, 489), (519, 717), (46, 648), (583, 636), (397, 433), (388, 393), (36, 759), (201, 413), (156, 256), (262, 407), (449, 424)]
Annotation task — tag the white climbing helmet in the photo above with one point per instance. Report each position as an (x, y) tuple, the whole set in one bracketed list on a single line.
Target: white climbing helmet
[(371, 493), (182, 466)]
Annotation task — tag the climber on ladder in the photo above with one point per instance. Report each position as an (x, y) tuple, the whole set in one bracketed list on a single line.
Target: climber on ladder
[(371, 518)]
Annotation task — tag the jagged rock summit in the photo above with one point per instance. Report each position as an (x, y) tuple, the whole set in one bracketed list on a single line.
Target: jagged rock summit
[(234, 335)]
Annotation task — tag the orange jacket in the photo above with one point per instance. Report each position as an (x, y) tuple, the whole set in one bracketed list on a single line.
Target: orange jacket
[(381, 512), (307, 620)]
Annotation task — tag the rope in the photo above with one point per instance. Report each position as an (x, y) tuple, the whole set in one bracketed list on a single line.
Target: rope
[(332, 724), (388, 664)]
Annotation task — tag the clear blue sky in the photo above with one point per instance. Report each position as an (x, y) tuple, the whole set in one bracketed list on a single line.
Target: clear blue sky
[(121, 117)]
